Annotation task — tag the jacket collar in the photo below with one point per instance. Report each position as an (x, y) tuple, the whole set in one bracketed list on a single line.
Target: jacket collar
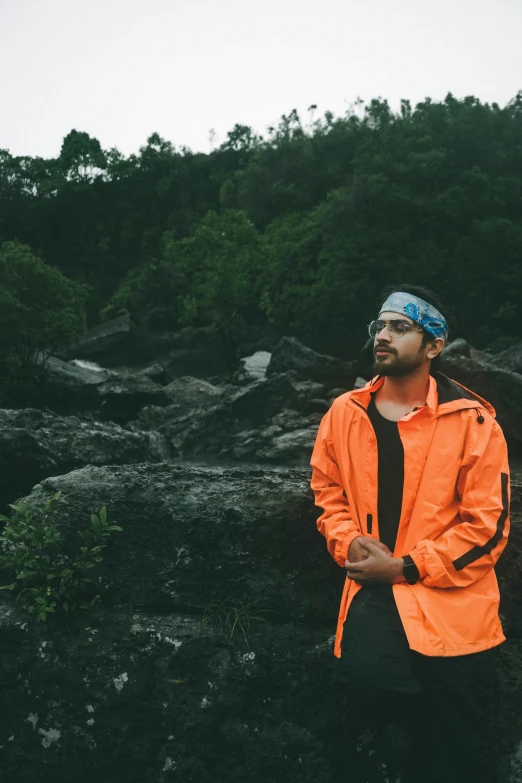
[(444, 395)]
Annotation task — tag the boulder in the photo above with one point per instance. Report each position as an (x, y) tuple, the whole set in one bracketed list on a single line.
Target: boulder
[(109, 343), (34, 445), (511, 359), (154, 371), (308, 389), (459, 347), (254, 366), (287, 440), (211, 654), (231, 424), (120, 344), (188, 399), (122, 397), (157, 684), (502, 388), (66, 387), (289, 448), (192, 393), (306, 364), (212, 433), (201, 352)]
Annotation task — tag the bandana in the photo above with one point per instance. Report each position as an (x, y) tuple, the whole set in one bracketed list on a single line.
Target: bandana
[(419, 311)]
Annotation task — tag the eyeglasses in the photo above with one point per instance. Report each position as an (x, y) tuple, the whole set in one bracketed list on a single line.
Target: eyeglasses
[(396, 327)]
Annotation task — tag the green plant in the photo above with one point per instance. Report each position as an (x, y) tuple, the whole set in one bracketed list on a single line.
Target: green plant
[(238, 617), (46, 579)]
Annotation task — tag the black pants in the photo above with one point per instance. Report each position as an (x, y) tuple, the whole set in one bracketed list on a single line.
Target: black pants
[(438, 709)]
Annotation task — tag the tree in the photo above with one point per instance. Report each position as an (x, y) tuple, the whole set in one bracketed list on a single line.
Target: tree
[(40, 309), (81, 157)]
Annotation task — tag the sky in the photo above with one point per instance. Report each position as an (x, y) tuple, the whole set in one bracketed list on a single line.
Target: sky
[(123, 69)]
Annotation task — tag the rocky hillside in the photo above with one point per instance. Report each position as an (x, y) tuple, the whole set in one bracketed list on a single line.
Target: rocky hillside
[(210, 655), (158, 684)]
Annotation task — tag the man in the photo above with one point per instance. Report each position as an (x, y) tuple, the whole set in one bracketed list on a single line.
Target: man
[(411, 472)]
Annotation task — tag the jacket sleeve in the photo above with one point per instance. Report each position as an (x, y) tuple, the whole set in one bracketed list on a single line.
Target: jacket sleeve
[(470, 548), (335, 523)]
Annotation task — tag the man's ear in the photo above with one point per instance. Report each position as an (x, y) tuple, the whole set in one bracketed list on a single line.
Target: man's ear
[(434, 348)]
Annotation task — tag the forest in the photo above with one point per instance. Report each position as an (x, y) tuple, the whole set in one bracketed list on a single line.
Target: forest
[(291, 233)]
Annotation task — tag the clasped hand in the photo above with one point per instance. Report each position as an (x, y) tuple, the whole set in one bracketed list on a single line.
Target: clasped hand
[(371, 561)]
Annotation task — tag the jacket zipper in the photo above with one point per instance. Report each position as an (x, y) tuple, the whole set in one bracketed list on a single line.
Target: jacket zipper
[(369, 517)]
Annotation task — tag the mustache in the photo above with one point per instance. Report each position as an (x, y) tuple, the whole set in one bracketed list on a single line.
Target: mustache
[(383, 348)]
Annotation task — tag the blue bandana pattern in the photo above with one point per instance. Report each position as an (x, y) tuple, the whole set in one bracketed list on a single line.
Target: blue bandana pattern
[(419, 311)]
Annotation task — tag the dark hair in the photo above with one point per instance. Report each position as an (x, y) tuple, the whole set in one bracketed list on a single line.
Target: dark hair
[(429, 296)]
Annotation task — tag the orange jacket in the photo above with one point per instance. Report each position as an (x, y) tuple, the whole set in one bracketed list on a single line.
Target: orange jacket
[(455, 510)]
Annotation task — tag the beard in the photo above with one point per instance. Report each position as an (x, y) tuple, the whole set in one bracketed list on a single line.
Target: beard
[(396, 366)]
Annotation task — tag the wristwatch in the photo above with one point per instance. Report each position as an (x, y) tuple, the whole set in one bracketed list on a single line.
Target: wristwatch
[(410, 570)]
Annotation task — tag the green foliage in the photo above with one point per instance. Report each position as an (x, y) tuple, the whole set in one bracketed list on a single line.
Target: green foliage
[(153, 294), (39, 309), (298, 231), (46, 579), (209, 279), (232, 618), (81, 157)]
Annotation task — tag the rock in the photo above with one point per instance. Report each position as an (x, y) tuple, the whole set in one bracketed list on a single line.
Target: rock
[(189, 398), (110, 343), (290, 448), (240, 424), (122, 397), (211, 434), (334, 393), (458, 347), (200, 352), (120, 344), (308, 389), (34, 445), (157, 665), (254, 366), (191, 393), (316, 405), (502, 388), (306, 364), (151, 669), (511, 359), (155, 371), (67, 387)]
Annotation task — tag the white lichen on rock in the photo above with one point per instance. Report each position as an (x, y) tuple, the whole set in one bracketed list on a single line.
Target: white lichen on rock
[(119, 681), (49, 736), (169, 764), (32, 718), (162, 638)]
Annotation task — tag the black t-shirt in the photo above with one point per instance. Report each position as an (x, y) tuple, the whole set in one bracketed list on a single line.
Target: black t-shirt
[(391, 474)]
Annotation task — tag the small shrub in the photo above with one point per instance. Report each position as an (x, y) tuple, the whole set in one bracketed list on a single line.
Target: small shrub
[(46, 580)]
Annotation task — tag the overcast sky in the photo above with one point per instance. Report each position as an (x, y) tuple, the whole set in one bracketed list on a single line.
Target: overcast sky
[(123, 69)]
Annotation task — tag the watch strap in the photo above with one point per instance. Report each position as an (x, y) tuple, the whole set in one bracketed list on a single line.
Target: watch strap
[(410, 570)]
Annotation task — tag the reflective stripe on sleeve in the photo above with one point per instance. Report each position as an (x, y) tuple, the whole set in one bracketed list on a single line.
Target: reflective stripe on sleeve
[(477, 551)]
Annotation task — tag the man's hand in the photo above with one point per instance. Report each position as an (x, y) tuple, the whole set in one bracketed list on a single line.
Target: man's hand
[(377, 566), (357, 550)]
